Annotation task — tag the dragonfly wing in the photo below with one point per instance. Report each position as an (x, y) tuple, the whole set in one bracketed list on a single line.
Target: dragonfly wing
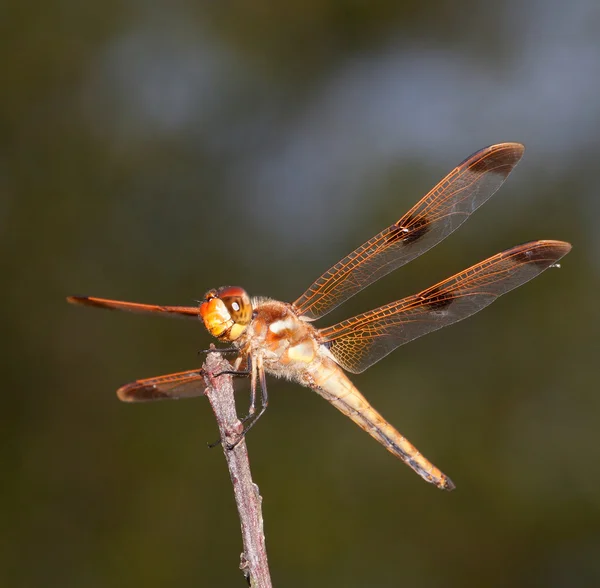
[(432, 219), (359, 342), (182, 311), (172, 386)]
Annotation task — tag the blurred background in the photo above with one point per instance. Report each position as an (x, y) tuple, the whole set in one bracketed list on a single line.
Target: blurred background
[(151, 151)]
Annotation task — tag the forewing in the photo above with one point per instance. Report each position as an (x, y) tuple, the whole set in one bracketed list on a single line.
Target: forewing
[(359, 342), (432, 219), (172, 386), (181, 311)]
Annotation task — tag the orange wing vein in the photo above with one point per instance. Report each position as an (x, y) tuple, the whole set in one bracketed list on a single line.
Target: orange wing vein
[(432, 219), (172, 386), (359, 342), (182, 311)]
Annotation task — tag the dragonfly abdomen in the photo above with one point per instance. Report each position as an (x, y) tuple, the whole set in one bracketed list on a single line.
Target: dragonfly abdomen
[(331, 383)]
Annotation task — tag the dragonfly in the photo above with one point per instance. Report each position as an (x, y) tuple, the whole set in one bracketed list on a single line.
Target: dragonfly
[(279, 338)]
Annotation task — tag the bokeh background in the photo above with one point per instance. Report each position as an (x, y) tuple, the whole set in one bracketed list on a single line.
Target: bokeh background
[(152, 150)]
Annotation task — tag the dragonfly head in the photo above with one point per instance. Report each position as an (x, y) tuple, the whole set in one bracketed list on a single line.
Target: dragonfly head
[(226, 312)]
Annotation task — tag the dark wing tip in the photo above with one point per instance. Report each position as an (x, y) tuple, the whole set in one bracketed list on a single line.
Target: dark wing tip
[(76, 299), (136, 392), (517, 148), (514, 150), (543, 253), (87, 301), (500, 159), (558, 248)]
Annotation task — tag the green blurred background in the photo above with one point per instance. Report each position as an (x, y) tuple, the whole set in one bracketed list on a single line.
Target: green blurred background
[(150, 151)]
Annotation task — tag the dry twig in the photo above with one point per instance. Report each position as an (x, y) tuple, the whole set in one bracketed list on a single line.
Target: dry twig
[(221, 397)]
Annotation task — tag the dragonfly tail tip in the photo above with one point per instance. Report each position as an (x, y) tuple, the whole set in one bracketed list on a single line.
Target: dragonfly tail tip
[(447, 484)]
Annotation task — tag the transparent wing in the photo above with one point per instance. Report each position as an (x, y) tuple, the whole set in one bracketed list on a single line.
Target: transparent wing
[(432, 219), (172, 386), (359, 342), (183, 311)]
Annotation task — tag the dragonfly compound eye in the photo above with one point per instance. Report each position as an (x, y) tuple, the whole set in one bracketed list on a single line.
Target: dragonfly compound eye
[(220, 314), (237, 303), (226, 312)]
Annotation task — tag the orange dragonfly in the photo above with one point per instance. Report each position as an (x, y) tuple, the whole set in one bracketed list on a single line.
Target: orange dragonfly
[(278, 338)]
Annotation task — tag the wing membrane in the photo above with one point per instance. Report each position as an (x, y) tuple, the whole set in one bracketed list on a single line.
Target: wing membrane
[(432, 219), (172, 386), (359, 342), (182, 311)]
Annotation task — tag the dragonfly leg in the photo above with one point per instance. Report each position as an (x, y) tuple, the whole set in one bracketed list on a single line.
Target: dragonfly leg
[(236, 371), (252, 408), (247, 371), (264, 401), (221, 350)]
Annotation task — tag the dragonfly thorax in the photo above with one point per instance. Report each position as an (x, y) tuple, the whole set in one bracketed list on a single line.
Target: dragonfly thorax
[(226, 312)]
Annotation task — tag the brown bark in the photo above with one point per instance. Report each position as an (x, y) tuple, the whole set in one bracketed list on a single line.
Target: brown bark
[(220, 394)]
